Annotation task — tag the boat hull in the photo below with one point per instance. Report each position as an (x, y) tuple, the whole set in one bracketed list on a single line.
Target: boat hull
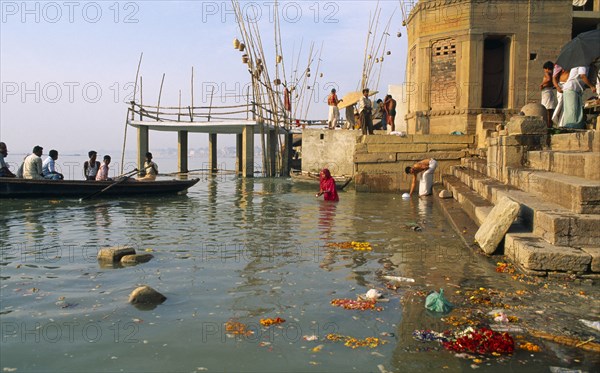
[(23, 188), (310, 178)]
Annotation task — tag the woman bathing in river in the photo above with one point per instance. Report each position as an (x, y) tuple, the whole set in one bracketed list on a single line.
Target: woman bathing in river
[(327, 186)]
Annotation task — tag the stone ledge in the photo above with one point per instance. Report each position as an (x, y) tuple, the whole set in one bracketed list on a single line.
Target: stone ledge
[(595, 253), (533, 253)]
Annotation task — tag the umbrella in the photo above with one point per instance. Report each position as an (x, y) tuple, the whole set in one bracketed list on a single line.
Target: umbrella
[(352, 98), (581, 51)]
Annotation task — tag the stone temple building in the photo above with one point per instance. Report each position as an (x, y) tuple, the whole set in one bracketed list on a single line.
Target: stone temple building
[(476, 61)]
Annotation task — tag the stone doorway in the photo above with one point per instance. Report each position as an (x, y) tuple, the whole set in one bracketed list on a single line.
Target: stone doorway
[(496, 53)]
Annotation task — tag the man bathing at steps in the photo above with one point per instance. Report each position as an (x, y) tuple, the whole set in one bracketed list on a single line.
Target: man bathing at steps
[(422, 171)]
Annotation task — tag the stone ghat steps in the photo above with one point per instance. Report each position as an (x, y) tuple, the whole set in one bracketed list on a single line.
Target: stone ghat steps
[(587, 141), (577, 194), (537, 257), (530, 252), (548, 220), (580, 164)]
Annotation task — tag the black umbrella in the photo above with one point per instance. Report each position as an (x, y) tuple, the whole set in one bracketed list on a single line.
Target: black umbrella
[(580, 51)]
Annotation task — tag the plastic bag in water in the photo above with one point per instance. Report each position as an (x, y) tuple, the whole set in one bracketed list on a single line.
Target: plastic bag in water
[(436, 302)]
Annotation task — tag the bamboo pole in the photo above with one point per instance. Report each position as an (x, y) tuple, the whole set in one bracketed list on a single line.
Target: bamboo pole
[(137, 73), (192, 89), (179, 108), (159, 95)]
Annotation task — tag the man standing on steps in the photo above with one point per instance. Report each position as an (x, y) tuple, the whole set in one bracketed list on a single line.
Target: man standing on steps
[(365, 106), (422, 171), (334, 112)]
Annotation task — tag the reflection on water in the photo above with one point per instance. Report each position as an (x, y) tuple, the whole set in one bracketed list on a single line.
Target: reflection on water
[(231, 249)]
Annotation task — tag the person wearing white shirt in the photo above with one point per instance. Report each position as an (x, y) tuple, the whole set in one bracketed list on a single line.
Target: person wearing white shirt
[(573, 88), (49, 168), (364, 111)]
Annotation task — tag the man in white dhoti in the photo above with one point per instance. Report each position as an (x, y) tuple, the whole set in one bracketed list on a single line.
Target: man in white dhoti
[(422, 171)]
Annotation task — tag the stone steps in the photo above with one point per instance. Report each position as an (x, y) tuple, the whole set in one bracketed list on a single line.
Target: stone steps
[(580, 164), (548, 220), (537, 257), (588, 141), (477, 164), (476, 207), (577, 194), (530, 252)]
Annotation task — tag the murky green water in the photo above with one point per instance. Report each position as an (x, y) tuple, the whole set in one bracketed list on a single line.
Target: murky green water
[(246, 250)]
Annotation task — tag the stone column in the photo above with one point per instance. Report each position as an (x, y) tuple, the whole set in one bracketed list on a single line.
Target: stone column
[(238, 153), (142, 142), (182, 151), (272, 149), (287, 154), (212, 152), (248, 151)]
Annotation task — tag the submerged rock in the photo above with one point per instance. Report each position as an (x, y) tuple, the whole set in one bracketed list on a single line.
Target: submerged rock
[(136, 259), (145, 295), (114, 254)]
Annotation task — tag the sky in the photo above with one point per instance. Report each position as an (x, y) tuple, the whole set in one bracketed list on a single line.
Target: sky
[(68, 67)]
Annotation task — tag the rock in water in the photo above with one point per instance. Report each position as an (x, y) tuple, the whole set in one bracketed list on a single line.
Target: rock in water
[(496, 225), (146, 295), (445, 194), (114, 254), (136, 258)]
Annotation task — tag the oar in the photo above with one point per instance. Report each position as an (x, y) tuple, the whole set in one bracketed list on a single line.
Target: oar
[(122, 178)]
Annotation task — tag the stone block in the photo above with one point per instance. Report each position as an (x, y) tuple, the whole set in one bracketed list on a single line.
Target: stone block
[(114, 254), (443, 147), (532, 252), (374, 183), (439, 156), (444, 139), (136, 259), (375, 158), (397, 148), (534, 110), (146, 295), (525, 125), (496, 225), (594, 252), (388, 139), (445, 194)]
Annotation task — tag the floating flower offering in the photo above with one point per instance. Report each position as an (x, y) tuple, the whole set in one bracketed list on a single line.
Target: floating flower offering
[(352, 342), (360, 305), (355, 245), (482, 341), (237, 328), (503, 267), (269, 322), (528, 346)]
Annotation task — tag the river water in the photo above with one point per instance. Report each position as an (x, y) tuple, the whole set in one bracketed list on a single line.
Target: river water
[(247, 249)]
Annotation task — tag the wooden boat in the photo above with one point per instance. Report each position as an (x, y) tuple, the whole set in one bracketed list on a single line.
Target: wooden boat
[(313, 178), (24, 188)]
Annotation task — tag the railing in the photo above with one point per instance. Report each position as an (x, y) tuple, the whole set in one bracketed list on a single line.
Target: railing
[(205, 114)]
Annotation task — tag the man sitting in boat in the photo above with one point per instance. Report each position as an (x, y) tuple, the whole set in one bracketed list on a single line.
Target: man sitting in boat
[(49, 168), (150, 168), (103, 171), (91, 167), (4, 171), (32, 165)]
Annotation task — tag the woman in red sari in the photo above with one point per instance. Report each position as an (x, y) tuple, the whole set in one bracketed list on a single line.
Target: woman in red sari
[(327, 186)]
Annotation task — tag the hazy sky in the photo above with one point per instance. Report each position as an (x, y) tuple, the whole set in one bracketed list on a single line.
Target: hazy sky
[(68, 67)]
